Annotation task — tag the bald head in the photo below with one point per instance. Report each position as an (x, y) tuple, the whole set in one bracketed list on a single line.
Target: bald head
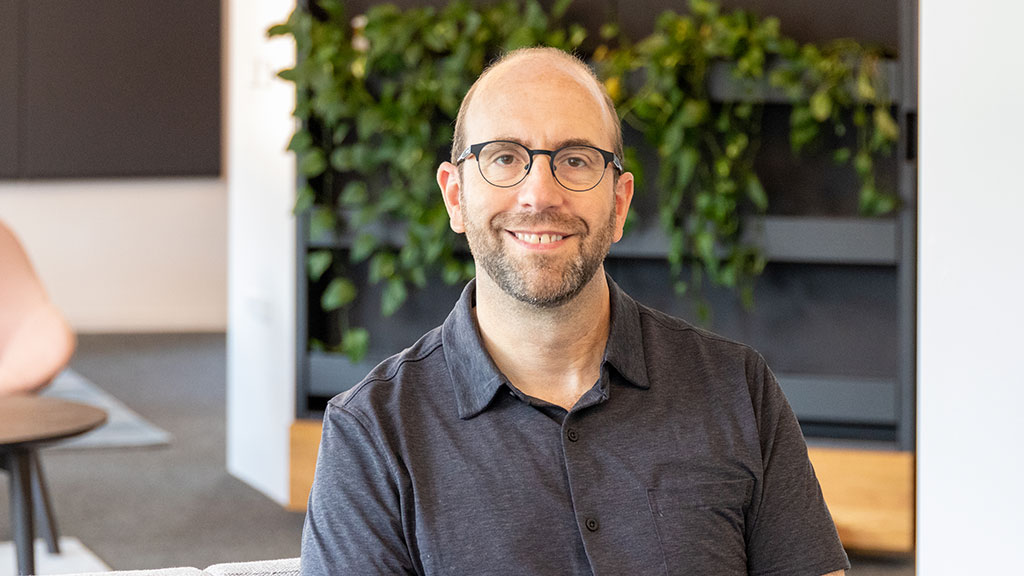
[(538, 64)]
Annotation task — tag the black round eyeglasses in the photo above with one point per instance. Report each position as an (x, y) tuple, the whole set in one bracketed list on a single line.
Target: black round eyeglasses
[(504, 163)]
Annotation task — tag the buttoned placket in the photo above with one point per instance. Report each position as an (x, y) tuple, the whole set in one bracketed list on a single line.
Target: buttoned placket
[(578, 466)]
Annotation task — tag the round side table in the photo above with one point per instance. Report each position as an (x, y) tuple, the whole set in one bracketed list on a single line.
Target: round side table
[(28, 423)]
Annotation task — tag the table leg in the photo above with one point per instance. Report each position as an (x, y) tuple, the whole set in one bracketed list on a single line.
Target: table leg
[(19, 464), (43, 508)]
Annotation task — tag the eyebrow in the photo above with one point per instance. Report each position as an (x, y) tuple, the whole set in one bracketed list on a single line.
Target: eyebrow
[(559, 144)]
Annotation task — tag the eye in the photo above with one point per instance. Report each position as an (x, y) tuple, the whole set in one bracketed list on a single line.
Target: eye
[(505, 160), (576, 162), (504, 155), (579, 158)]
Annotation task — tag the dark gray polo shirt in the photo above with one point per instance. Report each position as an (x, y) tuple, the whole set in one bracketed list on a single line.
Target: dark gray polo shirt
[(684, 458)]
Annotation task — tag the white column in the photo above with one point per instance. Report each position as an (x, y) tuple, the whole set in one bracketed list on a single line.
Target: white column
[(970, 458), (261, 246)]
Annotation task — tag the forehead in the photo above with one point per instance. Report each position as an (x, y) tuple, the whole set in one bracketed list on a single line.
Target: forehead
[(541, 101)]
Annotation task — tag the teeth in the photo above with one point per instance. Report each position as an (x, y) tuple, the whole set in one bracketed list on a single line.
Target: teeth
[(538, 238)]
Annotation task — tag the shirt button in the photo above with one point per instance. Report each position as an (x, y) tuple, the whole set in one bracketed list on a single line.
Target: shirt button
[(591, 524), (572, 435)]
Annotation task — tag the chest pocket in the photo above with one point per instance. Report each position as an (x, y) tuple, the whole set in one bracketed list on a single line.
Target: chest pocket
[(701, 526)]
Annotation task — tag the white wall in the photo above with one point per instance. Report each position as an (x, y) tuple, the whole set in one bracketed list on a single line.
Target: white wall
[(127, 255), (971, 289), (261, 241)]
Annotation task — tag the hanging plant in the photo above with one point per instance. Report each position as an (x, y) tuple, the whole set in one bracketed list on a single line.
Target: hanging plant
[(706, 149), (377, 95)]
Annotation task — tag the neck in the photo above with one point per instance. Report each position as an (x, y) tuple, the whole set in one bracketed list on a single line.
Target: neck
[(549, 353)]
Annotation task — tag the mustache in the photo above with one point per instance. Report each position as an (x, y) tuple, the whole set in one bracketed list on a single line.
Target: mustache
[(555, 220)]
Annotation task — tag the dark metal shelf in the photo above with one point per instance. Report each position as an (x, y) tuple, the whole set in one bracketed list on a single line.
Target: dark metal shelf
[(826, 398), (821, 398), (796, 239), (723, 86)]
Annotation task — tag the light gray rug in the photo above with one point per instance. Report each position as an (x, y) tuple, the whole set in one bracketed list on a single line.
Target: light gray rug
[(74, 557), (124, 427)]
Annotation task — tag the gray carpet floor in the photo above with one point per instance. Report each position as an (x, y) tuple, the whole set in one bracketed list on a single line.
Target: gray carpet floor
[(166, 506), (177, 505)]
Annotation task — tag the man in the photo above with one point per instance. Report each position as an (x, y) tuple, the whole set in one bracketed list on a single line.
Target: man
[(552, 425)]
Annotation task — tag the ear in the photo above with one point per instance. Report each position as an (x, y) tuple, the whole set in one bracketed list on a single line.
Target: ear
[(448, 181), (623, 198)]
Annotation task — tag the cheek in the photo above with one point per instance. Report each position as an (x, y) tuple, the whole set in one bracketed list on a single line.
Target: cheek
[(481, 205)]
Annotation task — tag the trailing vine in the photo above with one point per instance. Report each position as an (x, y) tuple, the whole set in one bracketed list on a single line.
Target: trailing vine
[(706, 149), (377, 95)]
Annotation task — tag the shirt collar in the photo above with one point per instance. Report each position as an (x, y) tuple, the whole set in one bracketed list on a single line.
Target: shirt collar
[(625, 347), (477, 379), (474, 375)]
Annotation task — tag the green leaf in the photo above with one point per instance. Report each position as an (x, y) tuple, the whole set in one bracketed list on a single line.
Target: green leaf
[(355, 343), (862, 164), (864, 88), (364, 245), (688, 159), (301, 141), (339, 292), (886, 204), (694, 112), (559, 8), (341, 159), (886, 125), (354, 194), (382, 267), (340, 133), (290, 75), (322, 223), (452, 272), (312, 163), (393, 297), (868, 199), (304, 199), (279, 30), (723, 167), (704, 245), (756, 193), (317, 263), (841, 155), (609, 30), (672, 138), (728, 274), (821, 105), (418, 276)]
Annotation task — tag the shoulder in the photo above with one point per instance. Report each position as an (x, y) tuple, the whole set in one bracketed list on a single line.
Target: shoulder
[(672, 339), (701, 367), (415, 376)]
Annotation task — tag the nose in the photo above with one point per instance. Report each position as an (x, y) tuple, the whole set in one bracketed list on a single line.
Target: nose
[(539, 190)]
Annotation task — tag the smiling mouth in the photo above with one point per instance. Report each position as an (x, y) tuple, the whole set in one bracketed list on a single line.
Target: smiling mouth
[(538, 238)]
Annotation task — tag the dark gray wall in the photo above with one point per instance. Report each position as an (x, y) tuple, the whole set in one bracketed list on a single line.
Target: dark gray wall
[(869, 21), (110, 88), (8, 88)]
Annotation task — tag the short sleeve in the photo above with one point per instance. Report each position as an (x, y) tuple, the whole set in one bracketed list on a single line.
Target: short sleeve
[(790, 531), (354, 520)]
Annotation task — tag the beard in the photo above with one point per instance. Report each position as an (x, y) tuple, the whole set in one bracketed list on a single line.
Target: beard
[(542, 280)]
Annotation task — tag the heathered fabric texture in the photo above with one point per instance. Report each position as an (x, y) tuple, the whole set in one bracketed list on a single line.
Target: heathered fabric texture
[(684, 458)]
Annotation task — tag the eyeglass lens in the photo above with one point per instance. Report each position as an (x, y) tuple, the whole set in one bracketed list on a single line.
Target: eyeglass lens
[(575, 167)]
